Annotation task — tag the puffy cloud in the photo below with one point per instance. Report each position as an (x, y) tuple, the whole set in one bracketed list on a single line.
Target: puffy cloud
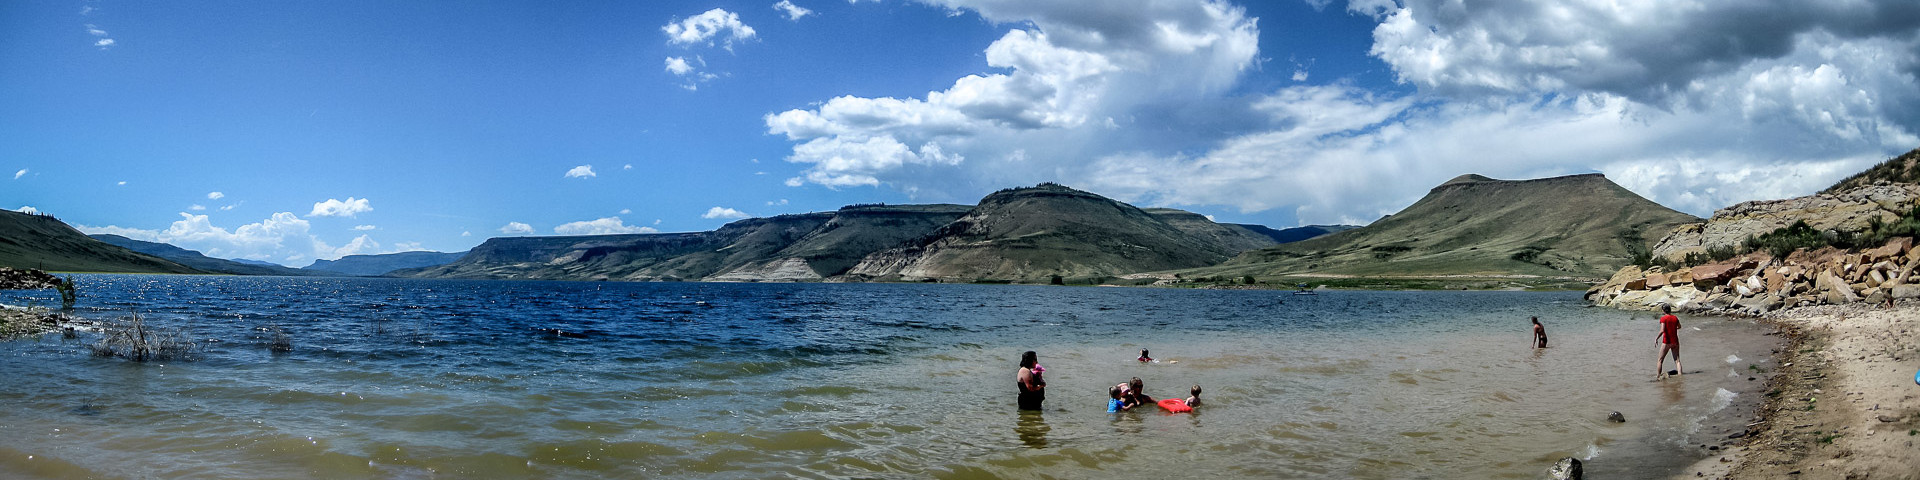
[(363, 228), (103, 43), (627, 167), (603, 226), (721, 212), (215, 195), (793, 12), (122, 183), (196, 207), (1067, 74), (703, 28), (283, 235), (28, 209), (21, 173), (678, 66), (337, 208), (516, 228), (583, 171), (625, 211)]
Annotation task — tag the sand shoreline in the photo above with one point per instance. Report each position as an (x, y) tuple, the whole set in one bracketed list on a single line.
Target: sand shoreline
[(1843, 405)]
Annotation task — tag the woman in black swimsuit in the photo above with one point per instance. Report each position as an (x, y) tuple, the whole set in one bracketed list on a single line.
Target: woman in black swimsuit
[(1032, 389)]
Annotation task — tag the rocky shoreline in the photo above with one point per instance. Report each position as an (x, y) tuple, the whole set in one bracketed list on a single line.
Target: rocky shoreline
[(1757, 284), (1843, 405)]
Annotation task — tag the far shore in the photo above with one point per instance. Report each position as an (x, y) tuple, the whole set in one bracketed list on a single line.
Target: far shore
[(1844, 405)]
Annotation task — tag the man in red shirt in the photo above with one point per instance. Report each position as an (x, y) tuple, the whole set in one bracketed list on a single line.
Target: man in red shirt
[(1669, 340)]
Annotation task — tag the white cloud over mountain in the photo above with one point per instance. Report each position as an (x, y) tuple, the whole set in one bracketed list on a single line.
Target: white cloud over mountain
[(516, 228), (722, 212), (602, 226), (1696, 104), (283, 237)]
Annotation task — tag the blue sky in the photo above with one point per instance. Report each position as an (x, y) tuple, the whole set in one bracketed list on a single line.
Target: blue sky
[(290, 132)]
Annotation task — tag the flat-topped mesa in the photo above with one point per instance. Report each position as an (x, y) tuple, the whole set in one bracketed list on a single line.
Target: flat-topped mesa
[(1477, 179)]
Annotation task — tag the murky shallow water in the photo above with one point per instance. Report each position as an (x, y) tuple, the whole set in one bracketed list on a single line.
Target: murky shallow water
[(457, 379)]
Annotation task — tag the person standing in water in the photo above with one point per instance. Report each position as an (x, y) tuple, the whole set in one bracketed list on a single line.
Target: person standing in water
[(1539, 334), (1032, 389), (1669, 340)]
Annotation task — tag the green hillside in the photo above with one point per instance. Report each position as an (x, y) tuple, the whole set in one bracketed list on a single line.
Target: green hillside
[(46, 243), (1901, 169), (198, 261), (1573, 226)]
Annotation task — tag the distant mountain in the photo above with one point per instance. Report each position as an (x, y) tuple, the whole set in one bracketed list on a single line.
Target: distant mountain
[(1579, 226), (256, 262), (46, 243), (1033, 234), (196, 259), (1016, 235), (1901, 169), (1295, 234), (376, 265)]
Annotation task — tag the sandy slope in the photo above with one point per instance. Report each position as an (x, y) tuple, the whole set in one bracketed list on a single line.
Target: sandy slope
[(1846, 405)]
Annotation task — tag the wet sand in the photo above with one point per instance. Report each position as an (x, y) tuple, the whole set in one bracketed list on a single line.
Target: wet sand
[(1844, 406)]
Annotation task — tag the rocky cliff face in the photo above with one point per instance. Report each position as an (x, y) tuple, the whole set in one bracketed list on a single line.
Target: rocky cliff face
[(1850, 210)]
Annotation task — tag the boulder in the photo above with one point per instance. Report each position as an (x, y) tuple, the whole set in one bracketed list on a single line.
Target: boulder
[(1566, 469), (1875, 278), (1877, 297), (1714, 274), (1904, 292), (1743, 290), (1718, 301), (1656, 280), (1616, 417), (1893, 249), (1637, 284), (1776, 281)]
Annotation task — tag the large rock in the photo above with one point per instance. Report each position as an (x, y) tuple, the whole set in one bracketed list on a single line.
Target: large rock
[(1903, 292), (1656, 280), (1636, 284), (1566, 469), (1715, 274), (1893, 249)]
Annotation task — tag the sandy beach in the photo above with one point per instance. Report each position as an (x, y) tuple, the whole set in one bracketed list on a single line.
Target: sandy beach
[(1844, 405)]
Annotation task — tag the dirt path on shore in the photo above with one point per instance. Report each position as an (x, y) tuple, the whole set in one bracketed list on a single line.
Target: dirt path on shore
[(1843, 406)]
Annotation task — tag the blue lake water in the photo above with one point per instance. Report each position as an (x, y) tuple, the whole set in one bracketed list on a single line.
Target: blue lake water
[(473, 379)]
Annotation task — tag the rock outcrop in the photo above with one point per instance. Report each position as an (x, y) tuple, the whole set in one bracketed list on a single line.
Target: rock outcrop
[(1757, 284), (1851, 210)]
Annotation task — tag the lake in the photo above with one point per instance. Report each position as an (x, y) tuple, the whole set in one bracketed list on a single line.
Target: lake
[(393, 378)]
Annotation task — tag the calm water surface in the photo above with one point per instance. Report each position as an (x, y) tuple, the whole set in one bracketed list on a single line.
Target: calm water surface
[(467, 379)]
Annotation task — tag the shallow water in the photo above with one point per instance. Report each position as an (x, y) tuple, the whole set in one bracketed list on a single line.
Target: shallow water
[(465, 379)]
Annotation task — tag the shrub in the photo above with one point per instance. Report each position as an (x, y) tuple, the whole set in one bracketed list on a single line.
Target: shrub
[(131, 339)]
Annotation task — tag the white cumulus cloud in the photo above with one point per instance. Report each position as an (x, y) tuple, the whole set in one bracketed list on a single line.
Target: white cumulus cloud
[(705, 27), (583, 171), (28, 209), (21, 173), (678, 66), (281, 236), (516, 228), (338, 208), (723, 212), (793, 12), (215, 195), (603, 226), (363, 227)]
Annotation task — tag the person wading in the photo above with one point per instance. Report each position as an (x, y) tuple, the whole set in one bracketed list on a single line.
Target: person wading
[(1032, 387)]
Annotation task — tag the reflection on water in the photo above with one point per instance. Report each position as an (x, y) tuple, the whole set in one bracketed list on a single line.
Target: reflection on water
[(418, 379), (1032, 428)]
